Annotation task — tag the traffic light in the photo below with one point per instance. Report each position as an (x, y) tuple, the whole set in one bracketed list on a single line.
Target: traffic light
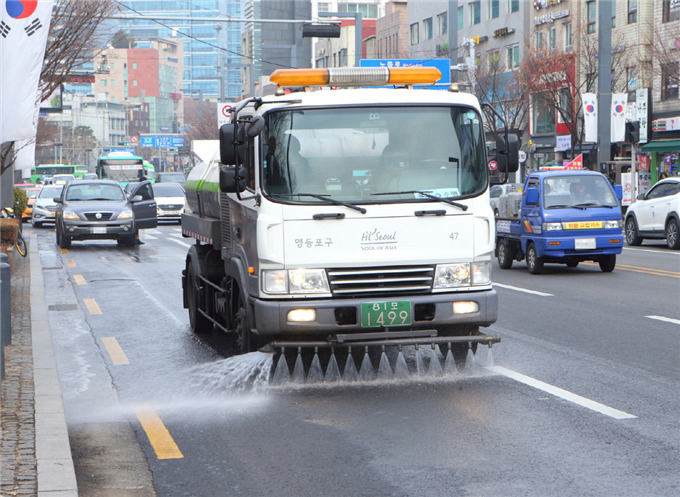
[(633, 132), (321, 30)]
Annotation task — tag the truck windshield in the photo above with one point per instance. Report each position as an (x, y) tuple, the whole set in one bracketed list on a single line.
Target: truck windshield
[(579, 191), (359, 154)]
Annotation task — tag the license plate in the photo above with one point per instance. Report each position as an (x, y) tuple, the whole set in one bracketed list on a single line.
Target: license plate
[(376, 314), (99, 230), (585, 244), (583, 225)]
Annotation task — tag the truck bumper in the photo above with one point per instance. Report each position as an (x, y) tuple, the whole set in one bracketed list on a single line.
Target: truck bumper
[(559, 247), (344, 315)]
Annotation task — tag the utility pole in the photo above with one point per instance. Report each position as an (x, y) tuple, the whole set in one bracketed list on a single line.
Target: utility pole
[(604, 82)]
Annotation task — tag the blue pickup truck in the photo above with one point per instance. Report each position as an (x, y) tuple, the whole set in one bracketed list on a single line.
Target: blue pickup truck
[(565, 217)]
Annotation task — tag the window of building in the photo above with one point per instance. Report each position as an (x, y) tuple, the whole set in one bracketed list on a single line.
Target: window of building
[(113, 82), (134, 65), (542, 113), (513, 56), (415, 35), (367, 10), (134, 82), (427, 29), (475, 13), (324, 7), (493, 57), (669, 81), (670, 10), (631, 82), (460, 18), (632, 11), (567, 35), (442, 23), (591, 8), (538, 39), (513, 6), (494, 9), (566, 109), (552, 38), (104, 82)]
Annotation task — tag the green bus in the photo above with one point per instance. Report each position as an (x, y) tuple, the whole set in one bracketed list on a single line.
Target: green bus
[(45, 171), (124, 168)]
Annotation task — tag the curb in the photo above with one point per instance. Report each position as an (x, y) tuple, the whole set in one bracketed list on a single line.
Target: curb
[(56, 472)]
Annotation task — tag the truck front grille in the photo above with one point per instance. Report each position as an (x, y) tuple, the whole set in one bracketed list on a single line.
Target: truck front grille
[(348, 282)]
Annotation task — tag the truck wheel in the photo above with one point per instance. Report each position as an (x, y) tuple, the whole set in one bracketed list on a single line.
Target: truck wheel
[(505, 255), (534, 262), (632, 237), (672, 235), (572, 264), (607, 263), (246, 341), (198, 322)]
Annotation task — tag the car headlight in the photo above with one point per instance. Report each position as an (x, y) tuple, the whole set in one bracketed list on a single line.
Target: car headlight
[(552, 226), (618, 223), (295, 281), (70, 215), (452, 275), (125, 214)]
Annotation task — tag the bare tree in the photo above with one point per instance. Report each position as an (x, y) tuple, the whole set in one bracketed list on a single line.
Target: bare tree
[(201, 118), (73, 39)]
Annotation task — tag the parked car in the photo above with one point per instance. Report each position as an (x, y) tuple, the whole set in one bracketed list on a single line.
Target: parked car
[(100, 209), (60, 179), (44, 206), (90, 176), (169, 201), (31, 193), (171, 177), (656, 214), (497, 190)]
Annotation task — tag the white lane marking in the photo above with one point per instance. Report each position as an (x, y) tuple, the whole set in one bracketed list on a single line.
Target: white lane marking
[(653, 251), (667, 320), (180, 242), (525, 290), (149, 236), (564, 394)]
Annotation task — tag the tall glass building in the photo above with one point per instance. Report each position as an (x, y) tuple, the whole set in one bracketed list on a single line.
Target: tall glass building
[(210, 47)]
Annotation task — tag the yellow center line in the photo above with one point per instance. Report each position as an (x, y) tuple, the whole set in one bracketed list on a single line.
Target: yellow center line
[(636, 269), (115, 352), (158, 435), (79, 279), (64, 251), (70, 263), (92, 306)]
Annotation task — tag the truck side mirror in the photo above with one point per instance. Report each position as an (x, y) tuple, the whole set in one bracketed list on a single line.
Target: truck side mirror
[(228, 181), (532, 196), (507, 152), (618, 189), (229, 133)]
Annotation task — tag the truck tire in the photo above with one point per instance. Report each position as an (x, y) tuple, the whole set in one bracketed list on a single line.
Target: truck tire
[(672, 235), (534, 262), (198, 322), (506, 254), (607, 263), (246, 341), (632, 236)]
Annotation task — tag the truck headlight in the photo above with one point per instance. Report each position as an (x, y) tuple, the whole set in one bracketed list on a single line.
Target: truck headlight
[(481, 273), (70, 215), (552, 226), (452, 275), (295, 281), (613, 224)]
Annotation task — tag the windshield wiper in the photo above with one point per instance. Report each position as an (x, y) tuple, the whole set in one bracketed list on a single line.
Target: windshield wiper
[(585, 205), (446, 200), (327, 198), (562, 206)]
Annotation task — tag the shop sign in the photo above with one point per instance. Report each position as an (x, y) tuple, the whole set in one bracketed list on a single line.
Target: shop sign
[(641, 97), (667, 124), (550, 17), (542, 4), (562, 143), (500, 33), (643, 161)]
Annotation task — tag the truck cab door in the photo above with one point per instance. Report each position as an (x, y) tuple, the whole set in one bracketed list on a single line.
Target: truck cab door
[(144, 209), (531, 207)]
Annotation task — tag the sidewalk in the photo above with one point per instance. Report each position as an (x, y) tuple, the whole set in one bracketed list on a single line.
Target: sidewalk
[(35, 455)]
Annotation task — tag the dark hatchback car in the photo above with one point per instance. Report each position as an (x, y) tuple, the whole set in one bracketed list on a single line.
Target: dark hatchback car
[(100, 210)]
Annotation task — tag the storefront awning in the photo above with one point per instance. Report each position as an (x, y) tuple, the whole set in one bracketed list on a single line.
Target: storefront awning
[(662, 146)]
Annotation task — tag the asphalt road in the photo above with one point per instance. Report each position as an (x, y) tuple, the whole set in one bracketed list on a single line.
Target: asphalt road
[(579, 398)]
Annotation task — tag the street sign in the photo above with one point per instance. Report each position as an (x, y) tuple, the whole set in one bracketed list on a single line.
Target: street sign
[(444, 66), (493, 165), (224, 110), (162, 141), (134, 140)]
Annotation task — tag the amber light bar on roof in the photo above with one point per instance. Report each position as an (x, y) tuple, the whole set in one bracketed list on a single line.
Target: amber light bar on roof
[(356, 76)]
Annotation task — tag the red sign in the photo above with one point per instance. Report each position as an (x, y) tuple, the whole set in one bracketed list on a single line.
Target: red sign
[(493, 165), (643, 160), (577, 163), (134, 139)]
